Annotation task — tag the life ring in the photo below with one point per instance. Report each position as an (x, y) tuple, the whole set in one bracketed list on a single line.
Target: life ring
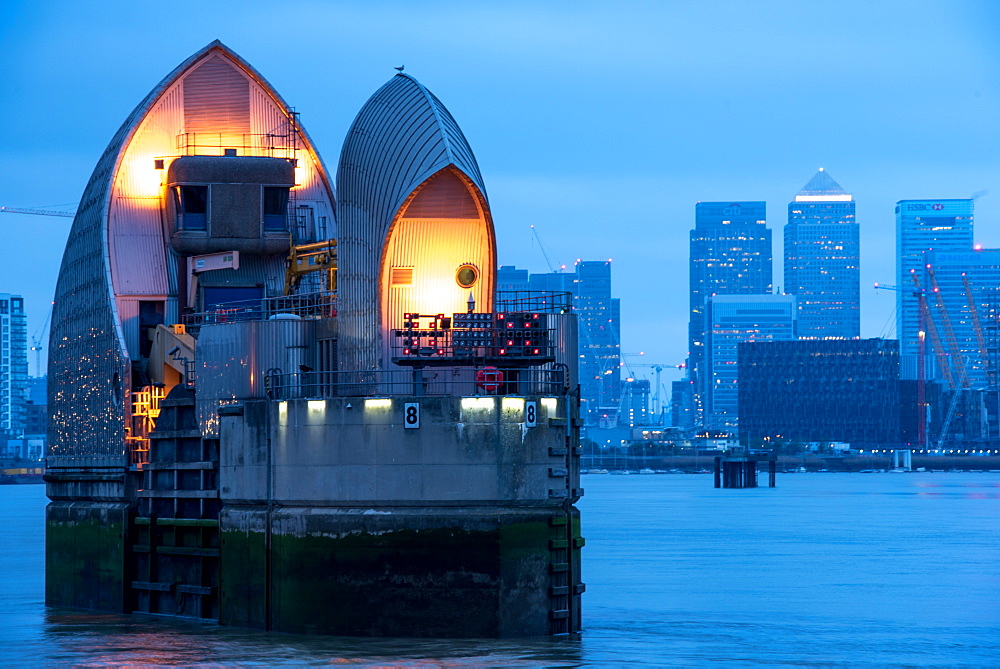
[(489, 379)]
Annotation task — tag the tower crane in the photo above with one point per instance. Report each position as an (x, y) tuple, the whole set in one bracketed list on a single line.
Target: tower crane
[(963, 381), (36, 342), (37, 212), (977, 326), (657, 367), (957, 358), (545, 254), (946, 363)]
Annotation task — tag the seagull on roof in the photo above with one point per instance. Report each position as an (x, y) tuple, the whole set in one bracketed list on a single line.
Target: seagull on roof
[(399, 69)]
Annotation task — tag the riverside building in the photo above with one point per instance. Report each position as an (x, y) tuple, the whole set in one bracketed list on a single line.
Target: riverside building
[(844, 390)]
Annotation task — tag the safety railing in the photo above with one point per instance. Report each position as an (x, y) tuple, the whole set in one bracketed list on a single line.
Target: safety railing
[(540, 301), (308, 305), (282, 144), (458, 382)]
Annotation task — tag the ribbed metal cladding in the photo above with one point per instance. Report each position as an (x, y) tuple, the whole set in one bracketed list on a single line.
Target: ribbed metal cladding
[(87, 366), (116, 253), (234, 359), (401, 137), (216, 94)]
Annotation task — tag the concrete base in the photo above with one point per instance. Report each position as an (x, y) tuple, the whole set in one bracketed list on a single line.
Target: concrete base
[(85, 555), (469, 572)]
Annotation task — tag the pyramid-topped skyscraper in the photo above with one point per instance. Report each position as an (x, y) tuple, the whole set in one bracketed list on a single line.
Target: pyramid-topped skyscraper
[(823, 188), (822, 265)]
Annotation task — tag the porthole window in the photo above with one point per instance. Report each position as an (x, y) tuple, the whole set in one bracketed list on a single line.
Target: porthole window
[(466, 276)]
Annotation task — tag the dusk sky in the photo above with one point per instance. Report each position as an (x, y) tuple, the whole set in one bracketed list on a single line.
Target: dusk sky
[(602, 124)]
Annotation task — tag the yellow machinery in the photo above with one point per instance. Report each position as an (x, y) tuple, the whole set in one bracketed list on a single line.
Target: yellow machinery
[(308, 258)]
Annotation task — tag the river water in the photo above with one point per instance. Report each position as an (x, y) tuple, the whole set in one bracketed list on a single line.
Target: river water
[(826, 569)]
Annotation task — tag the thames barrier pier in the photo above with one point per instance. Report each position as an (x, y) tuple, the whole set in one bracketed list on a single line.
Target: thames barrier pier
[(281, 409)]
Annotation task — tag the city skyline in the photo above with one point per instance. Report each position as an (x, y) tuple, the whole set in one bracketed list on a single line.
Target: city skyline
[(601, 127)]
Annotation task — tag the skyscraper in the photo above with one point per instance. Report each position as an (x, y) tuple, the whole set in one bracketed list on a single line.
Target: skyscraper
[(730, 255), (511, 279), (730, 320), (822, 259), (13, 364), (600, 336), (599, 328), (921, 226)]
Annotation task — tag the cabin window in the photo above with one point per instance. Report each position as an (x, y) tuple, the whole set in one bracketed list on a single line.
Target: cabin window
[(275, 209), (192, 207)]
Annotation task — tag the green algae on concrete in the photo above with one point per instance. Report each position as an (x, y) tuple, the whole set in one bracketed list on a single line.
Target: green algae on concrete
[(401, 573), (85, 548)]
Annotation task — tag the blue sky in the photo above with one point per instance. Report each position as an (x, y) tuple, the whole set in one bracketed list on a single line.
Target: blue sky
[(601, 125)]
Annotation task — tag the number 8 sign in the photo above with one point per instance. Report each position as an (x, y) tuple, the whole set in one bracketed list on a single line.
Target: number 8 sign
[(530, 414), (411, 414)]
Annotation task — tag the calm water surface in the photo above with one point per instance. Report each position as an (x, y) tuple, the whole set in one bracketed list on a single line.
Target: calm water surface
[(824, 570)]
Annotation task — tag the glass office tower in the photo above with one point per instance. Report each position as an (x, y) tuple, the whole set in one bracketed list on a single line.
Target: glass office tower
[(599, 334), (730, 255), (923, 225), (822, 254), (733, 319)]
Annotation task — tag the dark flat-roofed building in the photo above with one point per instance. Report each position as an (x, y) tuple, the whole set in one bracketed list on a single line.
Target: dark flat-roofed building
[(811, 390)]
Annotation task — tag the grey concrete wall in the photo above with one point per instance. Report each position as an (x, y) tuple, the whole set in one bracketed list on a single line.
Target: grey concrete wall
[(352, 451)]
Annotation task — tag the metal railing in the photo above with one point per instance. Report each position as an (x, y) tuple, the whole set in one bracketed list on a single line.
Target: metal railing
[(307, 305), (425, 347), (455, 382), (539, 301), (269, 145)]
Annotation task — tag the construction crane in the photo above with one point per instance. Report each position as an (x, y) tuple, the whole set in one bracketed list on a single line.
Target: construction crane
[(36, 342), (945, 363), (977, 326), (963, 382), (545, 254), (37, 212), (657, 367), (958, 360)]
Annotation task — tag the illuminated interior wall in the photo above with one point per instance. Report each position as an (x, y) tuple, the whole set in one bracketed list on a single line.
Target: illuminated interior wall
[(216, 102), (441, 229)]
